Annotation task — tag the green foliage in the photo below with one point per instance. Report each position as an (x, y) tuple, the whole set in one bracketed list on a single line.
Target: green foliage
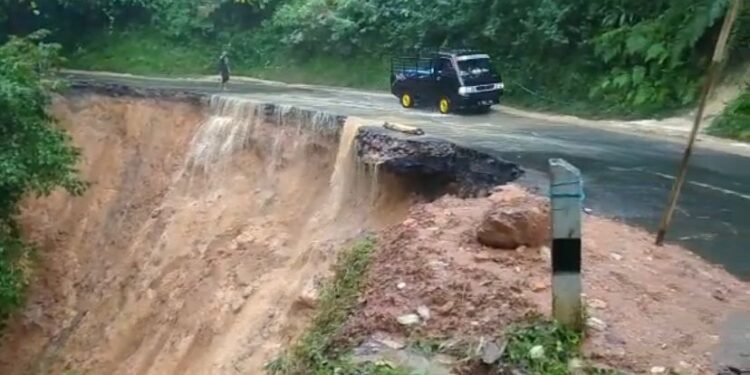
[(35, 156), (734, 121), (560, 346), (609, 57), (183, 18), (652, 62), (315, 353)]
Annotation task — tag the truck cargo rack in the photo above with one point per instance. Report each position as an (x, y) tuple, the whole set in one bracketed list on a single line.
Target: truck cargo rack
[(417, 66)]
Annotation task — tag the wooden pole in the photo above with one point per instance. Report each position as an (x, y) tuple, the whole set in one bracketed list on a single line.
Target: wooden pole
[(711, 78), (566, 194)]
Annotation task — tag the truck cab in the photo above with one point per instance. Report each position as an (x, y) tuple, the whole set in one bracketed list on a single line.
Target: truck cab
[(450, 80)]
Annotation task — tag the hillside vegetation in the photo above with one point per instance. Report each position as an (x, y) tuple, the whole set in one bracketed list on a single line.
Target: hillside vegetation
[(35, 156), (734, 121), (628, 58)]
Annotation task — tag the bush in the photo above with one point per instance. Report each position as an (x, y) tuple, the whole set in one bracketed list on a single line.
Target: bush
[(734, 120)]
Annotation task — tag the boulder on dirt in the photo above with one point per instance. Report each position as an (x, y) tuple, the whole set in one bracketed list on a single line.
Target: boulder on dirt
[(596, 324), (408, 319), (596, 304), (510, 224), (492, 352), (309, 296), (423, 312)]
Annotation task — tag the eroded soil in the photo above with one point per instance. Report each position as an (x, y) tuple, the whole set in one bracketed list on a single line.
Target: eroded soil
[(661, 306), (200, 229)]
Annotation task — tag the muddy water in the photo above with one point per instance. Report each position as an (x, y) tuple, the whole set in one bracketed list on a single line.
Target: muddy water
[(203, 224)]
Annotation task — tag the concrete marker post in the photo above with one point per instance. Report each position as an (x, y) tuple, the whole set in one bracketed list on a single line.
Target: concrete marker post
[(566, 194)]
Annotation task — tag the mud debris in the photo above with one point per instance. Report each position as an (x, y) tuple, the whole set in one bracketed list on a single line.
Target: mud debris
[(481, 291)]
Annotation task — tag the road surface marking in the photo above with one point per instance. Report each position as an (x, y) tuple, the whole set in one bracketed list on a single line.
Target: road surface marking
[(694, 183), (706, 186)]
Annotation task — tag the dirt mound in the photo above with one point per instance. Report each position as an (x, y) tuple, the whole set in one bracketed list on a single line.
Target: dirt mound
[(660, 306), (200, 230)]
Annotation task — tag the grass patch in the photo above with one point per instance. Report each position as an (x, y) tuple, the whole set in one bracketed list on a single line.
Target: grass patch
[(315, 352), (145, 52), (734, 120), (148, 52)]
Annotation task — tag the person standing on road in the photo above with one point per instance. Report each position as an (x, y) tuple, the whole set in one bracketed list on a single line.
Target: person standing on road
[(224, 69)]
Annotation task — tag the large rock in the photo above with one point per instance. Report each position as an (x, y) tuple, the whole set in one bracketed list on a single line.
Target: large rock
[(510, 224), (310, 295), (375, 350)]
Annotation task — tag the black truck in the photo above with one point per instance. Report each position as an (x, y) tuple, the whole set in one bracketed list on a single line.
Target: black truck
[(449, 79)]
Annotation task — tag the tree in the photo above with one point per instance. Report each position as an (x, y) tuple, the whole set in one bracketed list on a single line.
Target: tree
[(35, 155)]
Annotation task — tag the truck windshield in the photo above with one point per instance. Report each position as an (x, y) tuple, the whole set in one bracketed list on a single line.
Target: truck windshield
[(477, 71), (475, 67)]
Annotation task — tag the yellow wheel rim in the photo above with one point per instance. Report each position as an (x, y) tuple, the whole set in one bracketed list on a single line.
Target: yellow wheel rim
[(444, 105), (406, 100)]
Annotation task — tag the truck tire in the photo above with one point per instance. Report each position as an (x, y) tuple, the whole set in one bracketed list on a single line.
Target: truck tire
[(444, 105), (407, 101)]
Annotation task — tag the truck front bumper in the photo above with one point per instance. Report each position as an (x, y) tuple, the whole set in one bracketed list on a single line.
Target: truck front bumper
[(480, 99)]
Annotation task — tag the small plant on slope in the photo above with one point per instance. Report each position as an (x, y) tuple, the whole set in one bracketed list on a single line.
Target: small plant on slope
[(547, 348)]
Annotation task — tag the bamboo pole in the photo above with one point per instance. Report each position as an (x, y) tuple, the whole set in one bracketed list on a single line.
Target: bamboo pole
[(711, 78)]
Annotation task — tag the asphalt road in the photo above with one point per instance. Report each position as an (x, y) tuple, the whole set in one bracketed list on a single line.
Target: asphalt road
[(627, 175)]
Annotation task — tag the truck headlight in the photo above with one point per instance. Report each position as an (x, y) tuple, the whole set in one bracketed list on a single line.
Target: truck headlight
[(499, 86), (466, 90)]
